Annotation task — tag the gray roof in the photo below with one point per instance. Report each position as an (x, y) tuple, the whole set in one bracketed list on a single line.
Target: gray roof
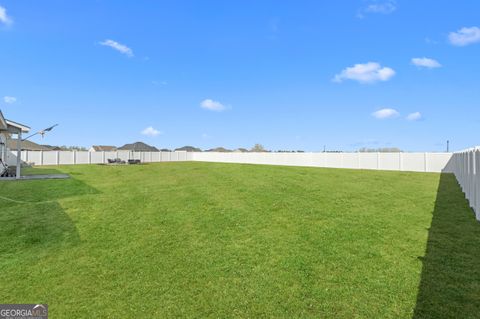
[(138, 147), (26, 146)]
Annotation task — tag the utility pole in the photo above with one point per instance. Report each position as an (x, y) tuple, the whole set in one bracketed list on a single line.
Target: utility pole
[(448, 146)]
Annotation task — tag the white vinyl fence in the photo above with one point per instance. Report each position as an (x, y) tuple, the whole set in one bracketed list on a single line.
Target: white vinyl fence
[(466, 167), (414, 162), (81, 157)]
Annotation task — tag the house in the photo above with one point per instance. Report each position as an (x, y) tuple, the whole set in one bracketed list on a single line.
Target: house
[(102, 148), (27, 146), (138, 147), (7, 129)]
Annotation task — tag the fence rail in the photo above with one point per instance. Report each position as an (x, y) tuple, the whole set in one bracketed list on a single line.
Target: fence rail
[(466, 167)]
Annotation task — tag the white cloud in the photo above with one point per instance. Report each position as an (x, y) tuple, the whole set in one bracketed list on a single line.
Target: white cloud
[(416, 116), (118, 46), (212, 105), (426, 63), (9, 99), (465, 36), (365, 73), (150, 131), (385, 114), (4, 18), (382, 7)]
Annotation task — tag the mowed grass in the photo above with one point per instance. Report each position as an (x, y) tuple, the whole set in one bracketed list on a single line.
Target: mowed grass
[(227, 240)]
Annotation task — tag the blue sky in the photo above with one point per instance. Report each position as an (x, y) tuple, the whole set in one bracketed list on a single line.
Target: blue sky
[(286, 74)]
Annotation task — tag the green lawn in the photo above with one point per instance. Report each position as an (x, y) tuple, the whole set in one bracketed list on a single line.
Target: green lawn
[(226, 240)]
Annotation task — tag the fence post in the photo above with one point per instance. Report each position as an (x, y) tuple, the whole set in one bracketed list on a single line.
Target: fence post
[(89, 157), (400, 161), (74, 157), (378, 160), (58, 157), (41, 158)]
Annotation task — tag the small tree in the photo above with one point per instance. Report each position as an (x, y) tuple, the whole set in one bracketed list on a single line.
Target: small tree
[(258, 148)]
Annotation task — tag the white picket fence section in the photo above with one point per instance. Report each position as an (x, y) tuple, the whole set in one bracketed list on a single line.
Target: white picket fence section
[(81, 157), (466, 167), (414, 162)]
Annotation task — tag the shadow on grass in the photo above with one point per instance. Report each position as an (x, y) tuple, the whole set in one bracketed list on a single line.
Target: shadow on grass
[(32, 218), (37, 229), (450, 281)]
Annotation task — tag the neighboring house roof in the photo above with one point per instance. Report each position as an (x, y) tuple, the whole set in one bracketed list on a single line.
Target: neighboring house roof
[(51, 147), (104, 148), (26, 146), (138, 147), (188, 149)]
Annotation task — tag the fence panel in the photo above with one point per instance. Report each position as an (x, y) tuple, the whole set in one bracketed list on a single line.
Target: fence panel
[(82, 157), (351, 160), (33, 157), (110, 155), (466, 167), (123, 155), (156, 157), (414, 162), (50, 158), (333, 160), (368, 160), (389, 161), (66, 158)]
